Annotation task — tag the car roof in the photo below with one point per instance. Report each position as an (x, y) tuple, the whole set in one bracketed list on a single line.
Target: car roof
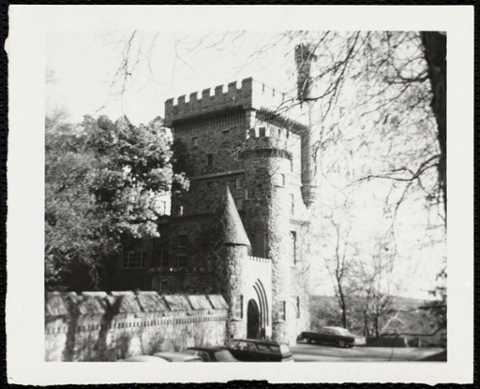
[(265, 341), (144, 358), (174, 356), (207, 348)]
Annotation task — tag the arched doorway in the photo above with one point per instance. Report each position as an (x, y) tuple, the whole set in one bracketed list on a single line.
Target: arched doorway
[(253, 320)]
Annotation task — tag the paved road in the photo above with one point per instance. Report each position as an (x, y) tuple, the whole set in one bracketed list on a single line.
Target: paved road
[(316, 353)]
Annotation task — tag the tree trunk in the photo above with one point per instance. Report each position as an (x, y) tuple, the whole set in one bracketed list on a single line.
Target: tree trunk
[(435, 45), (342, 305)]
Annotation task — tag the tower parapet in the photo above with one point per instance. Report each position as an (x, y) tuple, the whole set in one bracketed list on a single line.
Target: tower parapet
[(251, 95)]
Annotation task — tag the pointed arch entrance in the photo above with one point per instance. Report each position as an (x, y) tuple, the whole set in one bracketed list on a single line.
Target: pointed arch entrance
[(257, 313), (253, 320)]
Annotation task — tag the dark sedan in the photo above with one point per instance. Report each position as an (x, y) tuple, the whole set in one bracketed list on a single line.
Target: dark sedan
[(211, 353), (333, 335), (254, 350)]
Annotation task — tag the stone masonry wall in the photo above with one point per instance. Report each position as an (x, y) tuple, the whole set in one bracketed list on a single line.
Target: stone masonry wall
[(96, 326)]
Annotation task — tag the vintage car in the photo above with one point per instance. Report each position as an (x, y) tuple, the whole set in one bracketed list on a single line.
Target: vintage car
[(255, 350), (178, 357), (144, 358), (333, 335), (211, 353)]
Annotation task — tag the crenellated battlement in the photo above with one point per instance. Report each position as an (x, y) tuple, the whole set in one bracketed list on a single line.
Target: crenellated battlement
[(248, 94)]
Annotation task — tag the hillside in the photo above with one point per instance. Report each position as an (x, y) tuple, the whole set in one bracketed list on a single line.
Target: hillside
[(402, 317)]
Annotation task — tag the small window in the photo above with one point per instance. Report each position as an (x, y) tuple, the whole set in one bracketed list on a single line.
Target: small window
[(281, 179), (292, 204), (182, 240), (239, 203), (195, 141), (209, 159), (134, 259), (259, 245), (263, 131), (179, 210), (293, 241), (182, 261), (163, 286), (161, 207), (298, 307), (238, 307), (238, 155), (160, 258), (281, 310), (239, 183)]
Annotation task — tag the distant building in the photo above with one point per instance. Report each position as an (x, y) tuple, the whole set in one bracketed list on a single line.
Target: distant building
[(240, 230)]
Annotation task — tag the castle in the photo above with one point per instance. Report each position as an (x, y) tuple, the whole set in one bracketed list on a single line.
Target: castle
[(240, 229)]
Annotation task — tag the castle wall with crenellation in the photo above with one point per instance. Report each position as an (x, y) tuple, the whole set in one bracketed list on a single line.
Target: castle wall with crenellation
[(100, 326)]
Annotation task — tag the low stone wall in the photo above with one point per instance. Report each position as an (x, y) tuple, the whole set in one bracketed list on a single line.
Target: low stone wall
[(100, 326)]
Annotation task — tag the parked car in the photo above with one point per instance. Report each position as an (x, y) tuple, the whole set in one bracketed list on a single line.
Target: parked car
[(144, 358), (178, 357), (211, 353), (333, 335), (254, 350)]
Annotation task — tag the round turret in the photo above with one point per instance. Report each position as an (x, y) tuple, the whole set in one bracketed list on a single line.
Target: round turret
[(227, 247)]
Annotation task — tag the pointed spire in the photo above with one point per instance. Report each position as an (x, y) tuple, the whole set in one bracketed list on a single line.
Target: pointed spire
[(226, 227)]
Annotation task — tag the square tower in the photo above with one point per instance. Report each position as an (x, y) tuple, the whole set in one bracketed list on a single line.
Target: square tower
[(248, 139)]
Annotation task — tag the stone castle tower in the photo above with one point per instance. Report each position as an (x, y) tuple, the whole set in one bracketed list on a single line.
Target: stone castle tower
[(240, 230)]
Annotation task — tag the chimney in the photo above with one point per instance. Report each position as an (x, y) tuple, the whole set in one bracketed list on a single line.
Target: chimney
[(304, 57)]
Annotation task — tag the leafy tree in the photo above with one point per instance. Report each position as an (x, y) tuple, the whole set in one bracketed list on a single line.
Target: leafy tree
[(101, 179)]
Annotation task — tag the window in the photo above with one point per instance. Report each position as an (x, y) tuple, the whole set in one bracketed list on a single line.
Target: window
[(239, 203), (209, 159), (163, 286), (134, 259), (179, 210), (281, 314), (246, 346), (225, 132), (238, 307), (263, 131), (160, 258), (195, 141), (182, 240), (293, 246), (238, 155), (259, 245), (182, 261), (298, 307), (281, 179), (161, 207), (292, 204), (239, 183)]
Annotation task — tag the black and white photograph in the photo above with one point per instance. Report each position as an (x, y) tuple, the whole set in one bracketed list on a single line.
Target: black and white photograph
[(240, 184)]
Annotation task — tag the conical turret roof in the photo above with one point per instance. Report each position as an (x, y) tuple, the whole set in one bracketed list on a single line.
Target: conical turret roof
[(226, 226)]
